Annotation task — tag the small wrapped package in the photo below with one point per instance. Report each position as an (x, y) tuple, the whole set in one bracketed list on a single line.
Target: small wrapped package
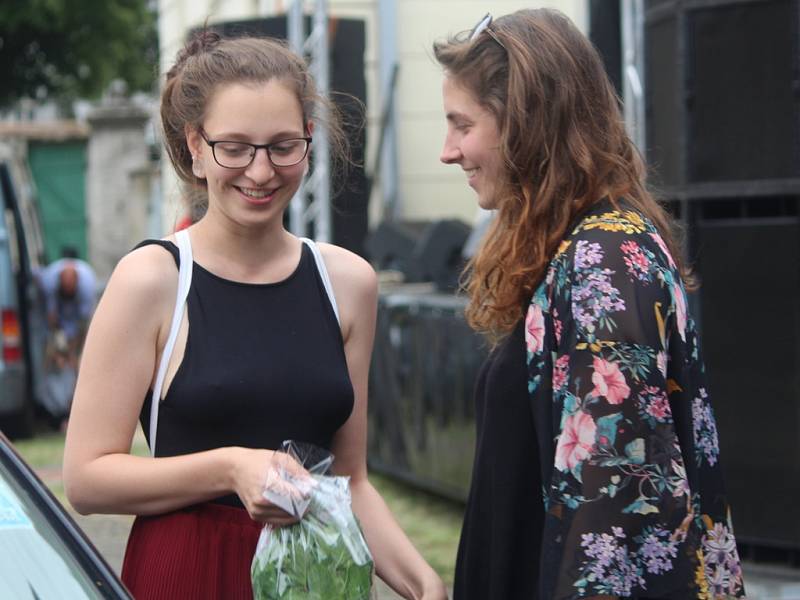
[(322, 557)]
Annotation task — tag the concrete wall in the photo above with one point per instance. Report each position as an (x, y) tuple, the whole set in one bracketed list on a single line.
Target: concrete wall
[(117, 199), (427, 189)]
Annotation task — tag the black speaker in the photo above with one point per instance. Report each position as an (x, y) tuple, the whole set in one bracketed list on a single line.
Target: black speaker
[(605, 34), (421, 250), (750, 327), (722, 84), (391, 246), (723, 139), (437, 255)]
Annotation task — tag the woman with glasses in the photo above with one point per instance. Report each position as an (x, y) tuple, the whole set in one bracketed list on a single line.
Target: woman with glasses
[(597, 470), (274, 343)]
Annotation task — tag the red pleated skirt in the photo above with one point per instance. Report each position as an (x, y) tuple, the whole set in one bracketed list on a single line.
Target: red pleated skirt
[(202, 552)]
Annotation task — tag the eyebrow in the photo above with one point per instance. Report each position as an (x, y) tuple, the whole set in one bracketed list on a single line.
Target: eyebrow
[(232, 136), (456, 116)]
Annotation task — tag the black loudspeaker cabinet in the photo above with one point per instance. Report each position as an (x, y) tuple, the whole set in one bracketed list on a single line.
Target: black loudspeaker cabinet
[(723, 95), (437, 255), (347, 41), (391, 246), (421, 250), (750, 335), (722, 81), (605, 25)]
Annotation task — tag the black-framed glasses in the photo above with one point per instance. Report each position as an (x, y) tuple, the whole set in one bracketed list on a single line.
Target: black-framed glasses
[(484, 25), (238, 155)]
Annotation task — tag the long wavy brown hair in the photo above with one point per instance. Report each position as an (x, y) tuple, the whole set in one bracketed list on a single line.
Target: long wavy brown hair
[(564, 146)]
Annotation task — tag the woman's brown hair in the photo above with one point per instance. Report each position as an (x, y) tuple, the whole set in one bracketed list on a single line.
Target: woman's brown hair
[(208, 61), (564, 147)]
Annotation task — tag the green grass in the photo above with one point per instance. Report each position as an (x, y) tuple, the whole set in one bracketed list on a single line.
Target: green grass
[(44, 450), (432, 524)]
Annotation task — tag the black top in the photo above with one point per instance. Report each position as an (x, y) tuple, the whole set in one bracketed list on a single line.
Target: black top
[(263, 363), (498, 556)]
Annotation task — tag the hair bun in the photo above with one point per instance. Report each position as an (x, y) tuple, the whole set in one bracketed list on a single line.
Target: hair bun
[(202, 41), (199, 42)]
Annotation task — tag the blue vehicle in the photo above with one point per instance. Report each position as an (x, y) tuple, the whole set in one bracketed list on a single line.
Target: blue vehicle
[(22, 325), (43, 553)]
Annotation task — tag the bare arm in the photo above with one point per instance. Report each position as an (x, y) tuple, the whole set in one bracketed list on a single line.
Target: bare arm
[(120, 356), (396, 560)]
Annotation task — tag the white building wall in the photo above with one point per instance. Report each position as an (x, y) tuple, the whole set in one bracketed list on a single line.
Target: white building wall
[(427, 188)]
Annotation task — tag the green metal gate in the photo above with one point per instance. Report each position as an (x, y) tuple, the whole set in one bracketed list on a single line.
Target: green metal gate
[(59, 171)]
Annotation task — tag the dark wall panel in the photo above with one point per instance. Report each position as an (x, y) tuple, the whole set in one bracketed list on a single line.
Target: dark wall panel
[(722, 92), (750, 299), (743, 117), (663, 100)]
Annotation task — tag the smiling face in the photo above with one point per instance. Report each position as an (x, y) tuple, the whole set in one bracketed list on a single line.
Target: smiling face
[(473, 142), (257, 113)]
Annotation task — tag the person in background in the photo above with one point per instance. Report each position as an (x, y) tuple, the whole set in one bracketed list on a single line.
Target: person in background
[(597, 468), (69, 289), (275, 344)]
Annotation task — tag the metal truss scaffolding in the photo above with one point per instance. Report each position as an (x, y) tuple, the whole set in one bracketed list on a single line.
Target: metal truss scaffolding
[(311, 204)]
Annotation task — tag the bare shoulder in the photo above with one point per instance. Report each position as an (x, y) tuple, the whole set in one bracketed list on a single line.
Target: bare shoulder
[(348, 270), (355, 287), (147, 274)]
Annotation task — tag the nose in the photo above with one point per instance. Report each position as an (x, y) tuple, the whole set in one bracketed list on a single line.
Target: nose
[(261, 169), (450, 152)]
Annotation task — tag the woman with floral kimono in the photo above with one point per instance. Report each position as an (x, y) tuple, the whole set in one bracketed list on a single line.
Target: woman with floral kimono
[(597, 470)]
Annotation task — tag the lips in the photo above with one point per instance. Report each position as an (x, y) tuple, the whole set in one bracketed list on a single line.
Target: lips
[(471, 175), (257, 195)]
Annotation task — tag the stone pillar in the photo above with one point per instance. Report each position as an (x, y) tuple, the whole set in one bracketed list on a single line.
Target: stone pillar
[(117, 200)]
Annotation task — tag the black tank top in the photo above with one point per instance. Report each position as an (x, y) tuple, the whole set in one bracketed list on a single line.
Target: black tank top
[(263, 363)]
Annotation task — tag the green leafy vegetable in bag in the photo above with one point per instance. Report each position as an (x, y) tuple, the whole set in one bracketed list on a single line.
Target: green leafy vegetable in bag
[(323, 556)]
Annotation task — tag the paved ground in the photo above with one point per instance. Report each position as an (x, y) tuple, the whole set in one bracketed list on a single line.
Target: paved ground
[(110, 532), (764, 582)]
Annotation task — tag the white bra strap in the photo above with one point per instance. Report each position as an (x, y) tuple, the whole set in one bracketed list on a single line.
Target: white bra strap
[(323, 273), (184, 282)]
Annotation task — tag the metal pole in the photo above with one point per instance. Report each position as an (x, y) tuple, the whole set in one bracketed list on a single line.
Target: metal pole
[(317, 186), (633, 71), (387, 24), (321, 70), (296, 35)]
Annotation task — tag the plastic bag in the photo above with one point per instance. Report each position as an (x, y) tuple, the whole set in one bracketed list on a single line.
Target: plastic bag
[(322, 557)]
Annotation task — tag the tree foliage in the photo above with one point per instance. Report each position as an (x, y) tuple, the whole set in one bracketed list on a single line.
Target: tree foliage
[(63, 49)]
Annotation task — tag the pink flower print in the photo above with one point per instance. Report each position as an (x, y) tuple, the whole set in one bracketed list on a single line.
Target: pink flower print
[(609, 381), (661, 361), (658, 407), (534, 329), (576, 441), (558, 326), (561, 372), (638, 264), (657, 238), (680, 309)]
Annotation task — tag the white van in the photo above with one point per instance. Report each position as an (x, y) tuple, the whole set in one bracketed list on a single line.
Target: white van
[(21, 315)]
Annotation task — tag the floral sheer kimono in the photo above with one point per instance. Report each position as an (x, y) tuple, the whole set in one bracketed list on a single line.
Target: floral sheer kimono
[(633, 490)]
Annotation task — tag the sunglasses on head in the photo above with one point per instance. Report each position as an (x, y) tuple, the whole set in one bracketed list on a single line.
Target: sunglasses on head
[(483, 25)]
